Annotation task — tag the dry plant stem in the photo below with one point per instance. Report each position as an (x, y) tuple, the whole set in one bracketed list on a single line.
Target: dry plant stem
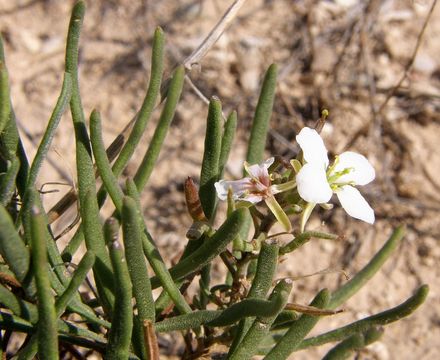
[(411, 60), (214, 35), (151, 341), (311, 310)]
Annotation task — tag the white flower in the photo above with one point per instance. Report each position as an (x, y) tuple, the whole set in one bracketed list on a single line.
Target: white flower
[(255, 188), (252, 189), (317, 181)]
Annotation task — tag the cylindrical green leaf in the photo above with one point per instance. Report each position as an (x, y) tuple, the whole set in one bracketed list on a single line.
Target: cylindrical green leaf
[(95, 242), (227, 139), (261, 325), (211, 158), (122, 322), (102, 163), (157, 60), (156, 261), (217, 318), (76, 281), (169, 109), (211, 248), (360, 279), (132, 231), (47, 320), (384, 318), (43, 148), (5, 105), (262, 282), (263, 112), (303, 238), (89, 209), (30, 350), (293, 337), (12, 248), (346, 348), (18, 306), (8, 181)]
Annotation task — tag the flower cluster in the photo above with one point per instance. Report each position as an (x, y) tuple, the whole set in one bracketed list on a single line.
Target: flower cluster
[(315, 182)]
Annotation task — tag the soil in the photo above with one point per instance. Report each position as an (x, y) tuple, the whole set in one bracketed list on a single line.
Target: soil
[(342, 55)]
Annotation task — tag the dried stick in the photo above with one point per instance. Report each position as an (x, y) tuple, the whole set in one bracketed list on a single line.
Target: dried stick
[(214, 35), (411, 60)]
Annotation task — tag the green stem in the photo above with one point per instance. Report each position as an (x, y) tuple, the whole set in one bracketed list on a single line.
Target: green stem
[(145, 169), (262, 282), (163, 276), (132, 232), (211, 156), (360, 279), (102, 162), (119, 338), (73, 245), (95, 242), (69, 332), (76, 281), (47, 320), (227, 139), (5, 105), (43, 148), (89, 209), (157, 60), (211, 248), (155, 259), (263, 112), (303, 238), (384, 318), (8, 181), (217, 318), (29, 351), (12, 248), (293, 337), (261, 325), (356, 342)]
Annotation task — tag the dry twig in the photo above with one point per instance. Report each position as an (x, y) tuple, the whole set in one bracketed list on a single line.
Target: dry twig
[(411, 60)]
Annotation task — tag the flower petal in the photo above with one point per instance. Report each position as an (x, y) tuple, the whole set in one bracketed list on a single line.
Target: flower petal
[(313, 147), (238, 187), (312, 184), (362, 172), (355, 204), (253, 198), (260, 172)]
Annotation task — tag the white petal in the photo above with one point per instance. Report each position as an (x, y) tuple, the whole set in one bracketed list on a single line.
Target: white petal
[(313, 147), (260, 171), (354, 204), (253, 198), (362, 171), (238, 187), (312, 184)]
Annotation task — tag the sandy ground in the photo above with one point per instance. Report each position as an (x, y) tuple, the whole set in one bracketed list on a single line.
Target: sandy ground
[(341, 55)]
